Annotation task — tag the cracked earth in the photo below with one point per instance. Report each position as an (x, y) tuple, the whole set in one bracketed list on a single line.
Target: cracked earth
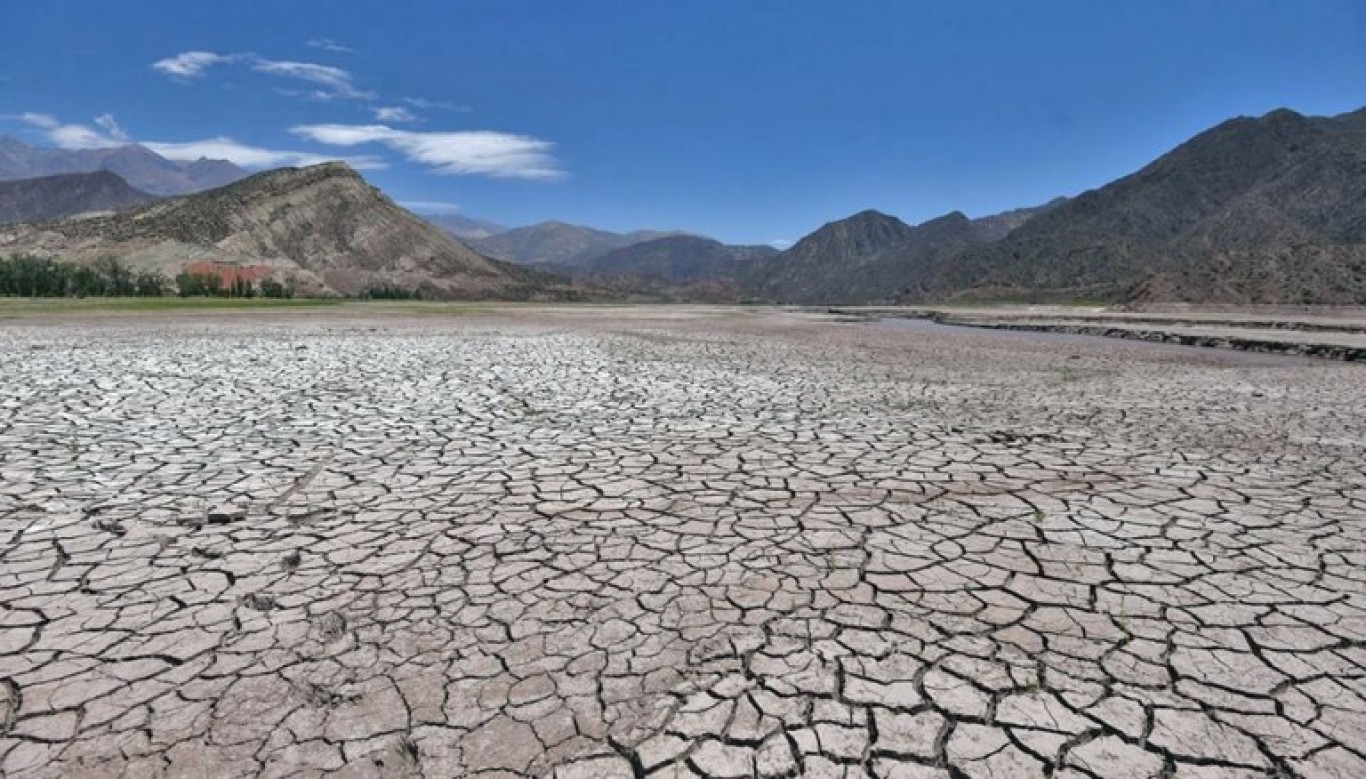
[(673, 543)]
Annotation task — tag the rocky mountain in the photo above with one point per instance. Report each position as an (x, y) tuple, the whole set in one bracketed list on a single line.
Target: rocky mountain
[(142, 168), (464, 227), (321, 228), (1265, 210), (66, 195), (559, 243), (871, 257), (678, 259), (998, 226), (674, 268)]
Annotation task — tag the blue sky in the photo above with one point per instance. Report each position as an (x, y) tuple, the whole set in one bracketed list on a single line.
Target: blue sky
[(749, 120)]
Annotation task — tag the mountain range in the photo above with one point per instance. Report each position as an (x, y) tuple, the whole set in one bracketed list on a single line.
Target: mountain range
[(1260, 210), (66, 195), (1269, 209), (559, 243), (678, 259), (464, 227), (674, 268), (871, 257), (321, 229), (1254, 210), (140, 167)]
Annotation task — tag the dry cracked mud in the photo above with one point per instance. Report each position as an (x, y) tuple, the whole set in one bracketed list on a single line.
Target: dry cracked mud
[(673, 543)]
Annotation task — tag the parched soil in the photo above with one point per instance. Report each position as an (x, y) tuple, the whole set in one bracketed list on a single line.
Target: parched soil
[(672, 542)]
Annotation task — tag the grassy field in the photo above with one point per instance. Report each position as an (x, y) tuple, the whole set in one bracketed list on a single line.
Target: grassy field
[(13, 308), (24, 306)]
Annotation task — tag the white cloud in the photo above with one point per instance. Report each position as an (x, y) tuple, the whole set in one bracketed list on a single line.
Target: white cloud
[(780, 243), (331, 81), (393, 113), (334, 81), (430, 206), (473, 153), (110, 133), (78, 136), (247, 156), (192, 64), (327, 44), (110, 125), (45, 121), (424, 103), (72, 136)]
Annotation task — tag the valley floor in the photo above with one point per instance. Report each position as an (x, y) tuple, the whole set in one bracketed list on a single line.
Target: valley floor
[(674, 541)]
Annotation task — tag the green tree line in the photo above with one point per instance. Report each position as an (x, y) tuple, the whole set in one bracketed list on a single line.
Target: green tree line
[(30, 276), (210, 285), (25, 275)]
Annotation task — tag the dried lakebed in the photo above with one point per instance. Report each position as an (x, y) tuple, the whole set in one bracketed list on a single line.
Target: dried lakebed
[(672, 543)]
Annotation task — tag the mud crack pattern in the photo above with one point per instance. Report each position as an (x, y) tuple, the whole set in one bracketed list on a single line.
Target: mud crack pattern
[(721, 546)]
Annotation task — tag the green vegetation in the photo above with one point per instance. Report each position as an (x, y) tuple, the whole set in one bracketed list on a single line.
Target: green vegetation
[(24, 275), (14, 307), (29, 276), (270, 288), (390, 292), (210, 285)]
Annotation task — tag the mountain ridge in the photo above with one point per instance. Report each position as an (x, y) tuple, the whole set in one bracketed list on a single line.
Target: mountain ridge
[(870, 256), (560, 243), (66, 195), (1268, 209), (322, 228), (138, 165)]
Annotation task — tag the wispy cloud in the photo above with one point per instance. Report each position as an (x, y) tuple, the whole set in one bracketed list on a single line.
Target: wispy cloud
[(192, 64), (45, 121), (334, 81), (430, 206), (394, 113), (425, 104), (110, 125), (329, 81), (107, 132), (248, 156), (77, 136), (472, 153), (327, 44)]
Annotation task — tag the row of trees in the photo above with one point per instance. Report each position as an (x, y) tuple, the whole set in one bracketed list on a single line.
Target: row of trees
[(25, 275), (210, 285), (390, 292)]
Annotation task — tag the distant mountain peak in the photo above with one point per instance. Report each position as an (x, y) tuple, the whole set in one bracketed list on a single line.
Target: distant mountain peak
[(1282, 115), (952, 217), (870, 215), (559, 243), (139, 166), (66, 195), (871, 256)]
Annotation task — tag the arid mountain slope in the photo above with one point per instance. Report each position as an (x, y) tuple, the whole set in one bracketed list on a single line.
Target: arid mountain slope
[(70, 194), (1266, 210), (870, 257), (463, 227), (559, 243), (322, 227), (678, 259)]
